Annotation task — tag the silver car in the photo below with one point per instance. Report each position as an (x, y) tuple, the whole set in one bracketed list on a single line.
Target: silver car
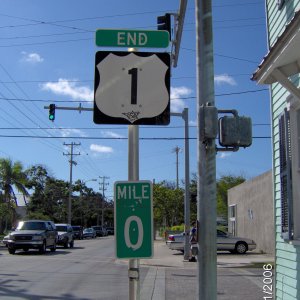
[(225, 242)]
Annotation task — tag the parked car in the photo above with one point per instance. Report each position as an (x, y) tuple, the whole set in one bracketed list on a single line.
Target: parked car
[(225, 242), (65, 235), (33, 234), (5, 239), (100, 231), (89, 233), (77, 232), (110, 230)]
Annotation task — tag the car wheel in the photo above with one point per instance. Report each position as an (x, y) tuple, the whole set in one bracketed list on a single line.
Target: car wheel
[(42, 248), (66, 244), (72, 244), (11, 250), (241, 248), (53, 248)]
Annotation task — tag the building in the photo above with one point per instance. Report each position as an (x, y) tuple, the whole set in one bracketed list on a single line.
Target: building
[(251, 212), (280, 70)]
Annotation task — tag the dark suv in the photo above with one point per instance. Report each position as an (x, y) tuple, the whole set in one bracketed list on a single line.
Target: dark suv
[(100, 231), (65, 235), (77, 232), (33, 234)]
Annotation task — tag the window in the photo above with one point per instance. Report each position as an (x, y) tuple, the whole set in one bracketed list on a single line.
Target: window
[(280, 4), (285, 154), (232, 220)]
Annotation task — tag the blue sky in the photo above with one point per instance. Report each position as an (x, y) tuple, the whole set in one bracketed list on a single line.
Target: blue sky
[(47, 51)]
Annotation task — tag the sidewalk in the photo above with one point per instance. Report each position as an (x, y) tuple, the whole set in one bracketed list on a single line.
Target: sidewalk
[(170, 277), (164, 257)]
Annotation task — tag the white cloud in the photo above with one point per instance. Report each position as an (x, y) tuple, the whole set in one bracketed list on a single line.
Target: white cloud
[(101, 149), (69, 88), (224, 78), (31, 57), (223, 155), (177, 105), (111, 134), (193, 123), (68, 132)]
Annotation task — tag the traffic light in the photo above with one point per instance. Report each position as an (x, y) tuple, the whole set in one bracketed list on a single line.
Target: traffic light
[(52, 112), (164, 23)]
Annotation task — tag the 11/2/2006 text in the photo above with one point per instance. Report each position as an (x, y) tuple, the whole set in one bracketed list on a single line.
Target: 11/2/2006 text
[(268, 281)]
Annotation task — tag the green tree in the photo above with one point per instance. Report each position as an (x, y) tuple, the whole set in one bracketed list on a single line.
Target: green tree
[(12, 176), (167, 205), (225, 183), (49, 195)]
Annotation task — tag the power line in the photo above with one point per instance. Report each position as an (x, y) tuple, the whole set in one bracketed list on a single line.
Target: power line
[(87, 101), (109, 128), (109, 138)]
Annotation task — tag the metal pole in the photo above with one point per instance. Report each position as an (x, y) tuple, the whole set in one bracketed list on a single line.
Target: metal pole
[(206, 185), (185, 116), (133, 175), (70, 185), (70, 188), (103, 197)]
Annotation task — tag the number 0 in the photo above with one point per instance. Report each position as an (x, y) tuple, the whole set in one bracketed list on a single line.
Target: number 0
[(140, 230)]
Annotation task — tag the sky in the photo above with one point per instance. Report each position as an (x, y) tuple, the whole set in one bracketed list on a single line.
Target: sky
[(47, 55)]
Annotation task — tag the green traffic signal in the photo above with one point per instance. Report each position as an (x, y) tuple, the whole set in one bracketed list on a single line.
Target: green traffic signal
[(52, 112)]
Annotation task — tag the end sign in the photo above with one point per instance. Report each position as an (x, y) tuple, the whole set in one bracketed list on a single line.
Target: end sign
[(132, 38), (133, 219)]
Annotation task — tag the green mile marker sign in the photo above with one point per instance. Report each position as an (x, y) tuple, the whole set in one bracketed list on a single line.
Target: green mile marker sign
[(133, 219), (132, 38)]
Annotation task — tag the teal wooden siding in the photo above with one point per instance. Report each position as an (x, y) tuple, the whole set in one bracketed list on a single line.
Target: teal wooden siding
[(287, 255)]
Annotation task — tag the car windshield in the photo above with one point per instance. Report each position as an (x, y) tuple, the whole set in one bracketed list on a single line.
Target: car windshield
[(88, 230), (61, 228), (31, 226)]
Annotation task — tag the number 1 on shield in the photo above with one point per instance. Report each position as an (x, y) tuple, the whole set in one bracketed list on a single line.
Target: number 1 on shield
[(134, 76)]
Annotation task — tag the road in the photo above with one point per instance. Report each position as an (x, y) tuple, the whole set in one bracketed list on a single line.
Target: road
[(87, 271), (90, 271)]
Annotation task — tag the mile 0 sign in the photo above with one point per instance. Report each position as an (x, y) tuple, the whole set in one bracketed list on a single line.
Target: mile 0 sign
[(132, 88)]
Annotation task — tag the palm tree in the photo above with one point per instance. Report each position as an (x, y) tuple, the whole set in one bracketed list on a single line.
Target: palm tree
[(11, 176)]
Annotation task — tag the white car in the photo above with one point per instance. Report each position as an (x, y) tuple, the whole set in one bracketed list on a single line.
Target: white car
[(225, 242)]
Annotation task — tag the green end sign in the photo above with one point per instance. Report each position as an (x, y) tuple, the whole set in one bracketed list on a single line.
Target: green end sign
[(133, 219), (132, 38)]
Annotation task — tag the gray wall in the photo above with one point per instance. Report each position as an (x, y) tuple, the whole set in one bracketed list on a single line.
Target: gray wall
[(255, 212)]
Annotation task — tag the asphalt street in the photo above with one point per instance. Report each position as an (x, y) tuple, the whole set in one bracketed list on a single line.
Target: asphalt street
[(165, 276)]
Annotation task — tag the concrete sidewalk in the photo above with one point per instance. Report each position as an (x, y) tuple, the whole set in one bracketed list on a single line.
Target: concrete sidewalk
[(168, 272), (164, 257)]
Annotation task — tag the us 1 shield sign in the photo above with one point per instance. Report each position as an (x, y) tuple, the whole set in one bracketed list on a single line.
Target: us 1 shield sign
[(132, 88)]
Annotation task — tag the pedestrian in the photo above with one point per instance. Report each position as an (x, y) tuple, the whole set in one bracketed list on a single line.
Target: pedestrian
[(193, 241)]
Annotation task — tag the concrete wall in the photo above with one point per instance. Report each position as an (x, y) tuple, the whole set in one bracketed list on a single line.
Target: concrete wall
[(255, 212)]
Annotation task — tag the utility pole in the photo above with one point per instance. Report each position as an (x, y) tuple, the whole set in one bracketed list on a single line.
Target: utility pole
[(177, 150), (71, 154), (206, 157), (103, 184)]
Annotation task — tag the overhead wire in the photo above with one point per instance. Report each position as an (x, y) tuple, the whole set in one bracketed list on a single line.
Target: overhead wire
[(26, 107), (87, 101)]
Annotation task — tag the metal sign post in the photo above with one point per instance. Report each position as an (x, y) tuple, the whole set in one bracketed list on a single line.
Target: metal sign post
[(133, 175)]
